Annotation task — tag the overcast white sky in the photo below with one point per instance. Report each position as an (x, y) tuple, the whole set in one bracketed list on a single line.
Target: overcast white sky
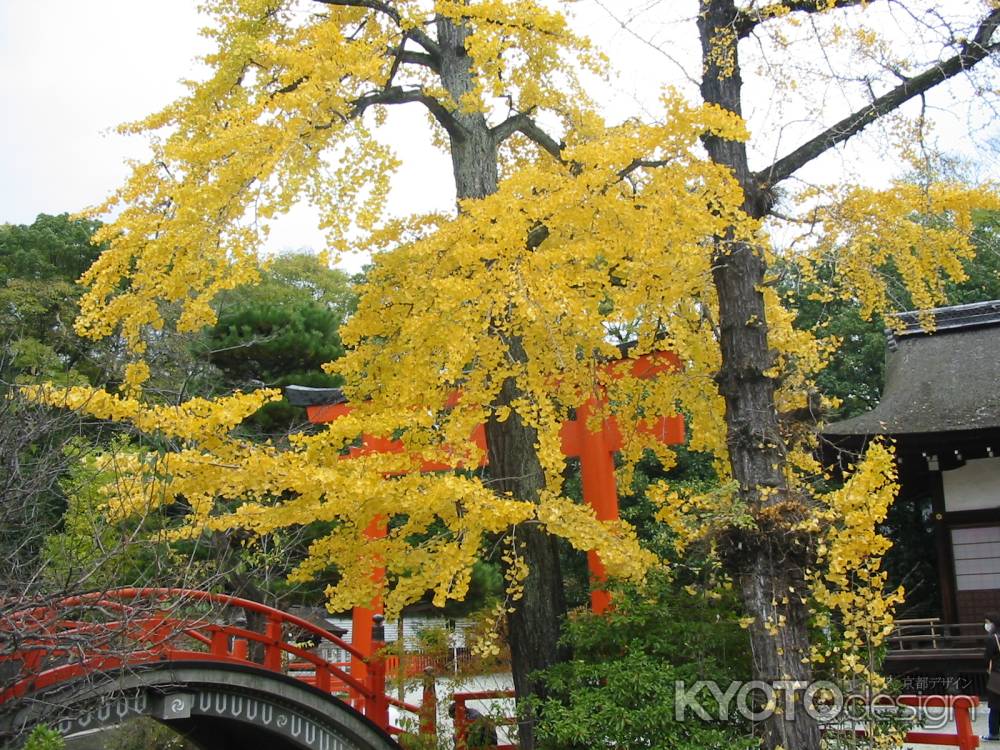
[(70, 70)]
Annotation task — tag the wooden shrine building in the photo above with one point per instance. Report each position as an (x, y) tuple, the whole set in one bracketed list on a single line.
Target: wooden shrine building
[(941, 407)]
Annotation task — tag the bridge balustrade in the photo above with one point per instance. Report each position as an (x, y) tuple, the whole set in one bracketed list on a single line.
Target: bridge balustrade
[(102, 632)]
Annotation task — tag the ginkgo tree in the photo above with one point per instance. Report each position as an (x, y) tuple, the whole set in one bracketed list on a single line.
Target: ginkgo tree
[(565, 226)]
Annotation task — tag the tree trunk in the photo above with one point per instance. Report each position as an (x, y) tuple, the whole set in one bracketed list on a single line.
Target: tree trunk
[(538, 616), (513, 461), (772, 585), (473, 148), (767, 562)]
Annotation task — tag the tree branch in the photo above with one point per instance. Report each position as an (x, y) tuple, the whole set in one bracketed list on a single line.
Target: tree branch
[(397, 60), (409, 57), (399, 95), (972, 52), (536, 236), (522, 123), (747, 20), (380, 6), (642, 164)]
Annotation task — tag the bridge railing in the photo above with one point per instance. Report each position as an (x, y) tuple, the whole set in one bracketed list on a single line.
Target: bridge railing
[(463, 723), (92, 633)]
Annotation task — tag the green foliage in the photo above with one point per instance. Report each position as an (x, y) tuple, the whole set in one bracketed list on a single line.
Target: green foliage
[(856, 370), (43, 737), (88, 546), (855, 375), (619, 690), (692, 470), (143, 733), (485, 588), (411, 739), (39, 265), (281, 331), (52, 247), (434, 640), (983, 270)]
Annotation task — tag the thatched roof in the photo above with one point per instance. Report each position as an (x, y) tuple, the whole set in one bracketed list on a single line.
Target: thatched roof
[(944, 381)]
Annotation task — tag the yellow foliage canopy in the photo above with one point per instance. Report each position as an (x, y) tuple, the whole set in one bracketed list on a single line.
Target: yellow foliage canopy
[(621, 230)]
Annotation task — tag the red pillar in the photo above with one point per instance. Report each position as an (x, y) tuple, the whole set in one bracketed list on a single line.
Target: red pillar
[(378, 708), (597, 466), (362, 617), (428, 705), (600, 490)]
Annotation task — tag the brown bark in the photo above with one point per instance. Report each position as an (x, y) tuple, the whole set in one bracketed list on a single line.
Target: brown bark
[(473, 148), (767, 582), (534, 625), (767, 568), (513, 461), (768, 563)]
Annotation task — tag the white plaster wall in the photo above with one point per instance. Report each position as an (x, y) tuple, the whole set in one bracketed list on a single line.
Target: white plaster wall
[(411, 628), (446, 687), (976, 553), (974, 486)]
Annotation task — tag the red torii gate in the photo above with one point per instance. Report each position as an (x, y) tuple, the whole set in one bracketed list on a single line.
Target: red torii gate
[(595, 449)]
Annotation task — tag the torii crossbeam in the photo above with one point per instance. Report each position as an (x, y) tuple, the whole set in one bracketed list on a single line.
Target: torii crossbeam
[(595, 449)]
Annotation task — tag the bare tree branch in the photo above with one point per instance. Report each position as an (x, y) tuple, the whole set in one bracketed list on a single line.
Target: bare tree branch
[(379, 6), (747, 20), (973, 52), (642, 164), (411, 57), (399, 95), (522, 123), (397, 60), (626, 26)]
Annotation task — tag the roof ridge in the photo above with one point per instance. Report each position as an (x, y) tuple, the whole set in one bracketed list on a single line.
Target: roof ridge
[(952, 317)]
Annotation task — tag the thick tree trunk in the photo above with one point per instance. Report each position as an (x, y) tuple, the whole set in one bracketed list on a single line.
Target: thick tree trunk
[(767, 562), (538, 615), (473, 147), (513, 461), (771, 583)]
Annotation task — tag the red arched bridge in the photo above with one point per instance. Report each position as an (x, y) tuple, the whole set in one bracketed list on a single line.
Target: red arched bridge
[(226, 672)]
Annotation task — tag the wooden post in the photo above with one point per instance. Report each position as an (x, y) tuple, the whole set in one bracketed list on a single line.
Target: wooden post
[(596, 449), (240, 648), (428, 705), (220, 643), (967, 739), (362, 622), (377, 708), (272, 648), (401, 658), (600, 489), (461, 725)]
